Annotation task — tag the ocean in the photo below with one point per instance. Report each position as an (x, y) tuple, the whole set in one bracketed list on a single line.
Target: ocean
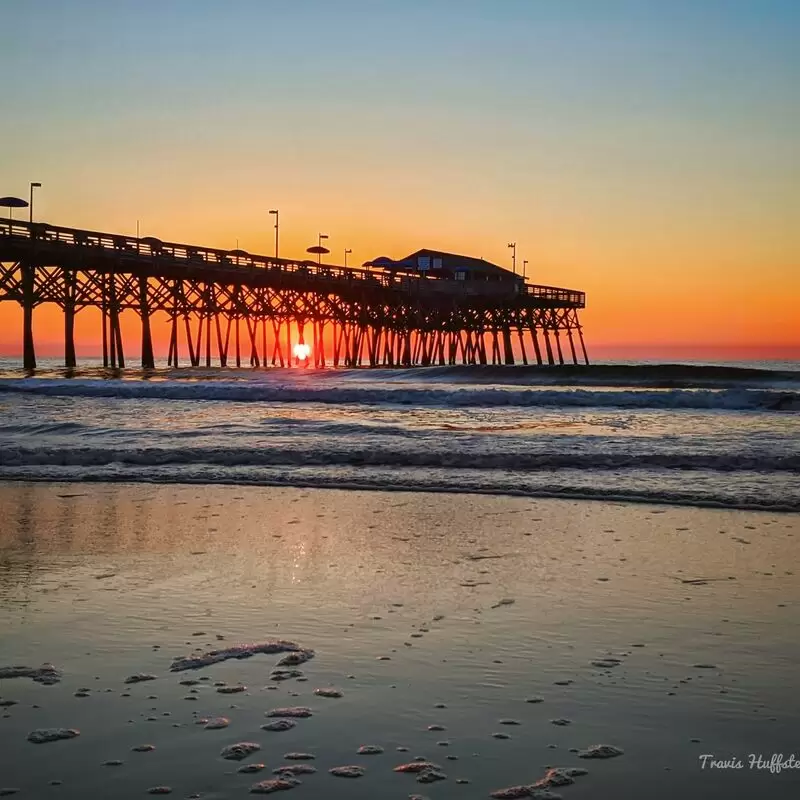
[(505, 572), (690, 434)]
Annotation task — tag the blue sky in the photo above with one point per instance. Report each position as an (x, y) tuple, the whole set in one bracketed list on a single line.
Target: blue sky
[(606, 136)]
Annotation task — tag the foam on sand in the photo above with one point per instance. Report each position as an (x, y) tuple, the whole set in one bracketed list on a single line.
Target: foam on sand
[(44, 735), (299, 712), (240, 651), (239, 751), (370, 750), (601, 751), (294, 769), (140, 677), (274, 785), (349, 771), (329, 692), (279, 725), (46, 674)]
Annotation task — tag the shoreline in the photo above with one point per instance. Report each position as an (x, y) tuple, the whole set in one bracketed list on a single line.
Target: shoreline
[(334, 485)]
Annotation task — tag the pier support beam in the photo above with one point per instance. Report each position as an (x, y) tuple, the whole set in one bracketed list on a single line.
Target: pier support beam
[(583, 346), (28, 349), (509, 351), (70, 362), (148, 362)]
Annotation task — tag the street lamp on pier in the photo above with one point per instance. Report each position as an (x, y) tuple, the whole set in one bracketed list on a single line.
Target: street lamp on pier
[(34, 185), (346, 251), (513, 246), (524, 267), (320, 237), (275, 212)]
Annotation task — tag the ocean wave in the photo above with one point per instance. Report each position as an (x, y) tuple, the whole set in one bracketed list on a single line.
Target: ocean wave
[(619, 375), (429, 457), (270, 392), (641, 487)]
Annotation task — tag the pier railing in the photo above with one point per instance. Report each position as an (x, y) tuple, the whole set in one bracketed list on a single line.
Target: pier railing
[(239, 264)]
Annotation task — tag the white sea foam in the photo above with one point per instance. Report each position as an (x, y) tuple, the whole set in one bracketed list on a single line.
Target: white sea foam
[(493, 396), (502, 432)]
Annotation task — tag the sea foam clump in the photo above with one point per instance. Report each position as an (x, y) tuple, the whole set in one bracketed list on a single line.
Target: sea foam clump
[(239, 751), (296, 657), (292, 770), (511, 792), (328, 692), (600, 751), (140, 677), (217, 723), (416, 766), (44, 735), (299, 712), (349, 771), (554, 777), (515, 792), (242, 651), (279, 725), (274, 785), (46, 674)]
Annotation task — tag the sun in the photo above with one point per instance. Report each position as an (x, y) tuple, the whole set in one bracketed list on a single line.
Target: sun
[(302, 352)]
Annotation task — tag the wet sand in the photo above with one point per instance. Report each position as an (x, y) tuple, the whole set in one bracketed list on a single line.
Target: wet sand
[(488, 638)]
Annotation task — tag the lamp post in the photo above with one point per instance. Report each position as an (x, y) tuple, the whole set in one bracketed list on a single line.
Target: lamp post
[(513, 246), (320, 237), (346, 251), (275, 212), (524, 266), (34, 185)]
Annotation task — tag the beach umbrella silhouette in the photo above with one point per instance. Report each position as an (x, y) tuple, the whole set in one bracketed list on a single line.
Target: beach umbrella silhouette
[(11, 203), (153, 243), (318, 250), (237, 254)]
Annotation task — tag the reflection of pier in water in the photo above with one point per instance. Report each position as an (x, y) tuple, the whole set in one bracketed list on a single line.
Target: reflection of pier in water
[(356, 317)]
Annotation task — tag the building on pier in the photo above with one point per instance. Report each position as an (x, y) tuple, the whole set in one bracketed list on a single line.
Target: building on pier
[(450, 266)]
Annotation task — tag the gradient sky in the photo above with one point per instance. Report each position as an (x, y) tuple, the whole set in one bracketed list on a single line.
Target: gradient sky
[(645, 152)]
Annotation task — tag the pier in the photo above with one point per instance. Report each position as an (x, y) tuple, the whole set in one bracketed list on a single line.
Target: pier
[(234, 307)]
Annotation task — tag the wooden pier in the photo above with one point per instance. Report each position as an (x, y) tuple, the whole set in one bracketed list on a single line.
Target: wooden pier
[(230, 306)]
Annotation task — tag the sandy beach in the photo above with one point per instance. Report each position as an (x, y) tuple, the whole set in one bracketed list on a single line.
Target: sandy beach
[(444, 620)]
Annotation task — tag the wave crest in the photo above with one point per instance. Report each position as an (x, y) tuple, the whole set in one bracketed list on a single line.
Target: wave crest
[(256, 392)]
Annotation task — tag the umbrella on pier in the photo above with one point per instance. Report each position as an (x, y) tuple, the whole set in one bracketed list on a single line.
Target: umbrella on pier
[(153, 243), (11, 203), (238, 254), (319, 250)]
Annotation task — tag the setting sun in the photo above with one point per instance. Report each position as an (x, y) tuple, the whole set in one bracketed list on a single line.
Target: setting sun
[(302, 352)]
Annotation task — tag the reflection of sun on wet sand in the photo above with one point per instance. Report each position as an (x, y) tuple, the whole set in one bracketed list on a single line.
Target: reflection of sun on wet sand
[(496, 646)]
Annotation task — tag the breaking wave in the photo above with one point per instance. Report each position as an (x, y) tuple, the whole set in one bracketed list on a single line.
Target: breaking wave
[(741, 399), (432, 457)]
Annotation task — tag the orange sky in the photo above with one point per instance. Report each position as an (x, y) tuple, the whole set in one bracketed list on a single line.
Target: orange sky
[(646, 157)]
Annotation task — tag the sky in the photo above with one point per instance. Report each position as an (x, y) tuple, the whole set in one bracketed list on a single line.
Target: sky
[(646, 153)]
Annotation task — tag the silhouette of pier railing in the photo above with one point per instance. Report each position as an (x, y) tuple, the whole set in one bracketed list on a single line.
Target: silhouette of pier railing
[(386, 317)]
